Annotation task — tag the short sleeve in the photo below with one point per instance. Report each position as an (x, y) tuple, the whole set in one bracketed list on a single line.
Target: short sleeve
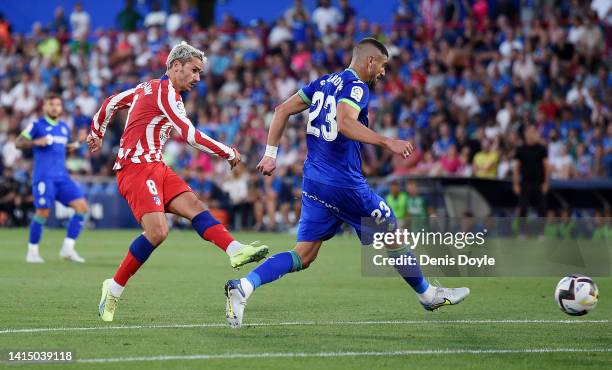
[(31, 131), (308, 91), (356, 94)]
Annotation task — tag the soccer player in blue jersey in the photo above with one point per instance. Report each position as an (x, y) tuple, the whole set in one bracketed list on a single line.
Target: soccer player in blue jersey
[(334, 189), (49, 139)]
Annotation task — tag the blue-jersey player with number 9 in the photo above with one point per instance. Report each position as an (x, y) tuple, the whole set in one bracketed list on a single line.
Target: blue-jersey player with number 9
[(334, 189), (49, 139)]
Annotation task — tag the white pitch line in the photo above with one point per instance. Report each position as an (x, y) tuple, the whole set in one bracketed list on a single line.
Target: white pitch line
[(302, 323), (233, 356)]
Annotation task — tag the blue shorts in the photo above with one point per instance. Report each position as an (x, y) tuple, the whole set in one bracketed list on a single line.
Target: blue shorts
[(46, 191), (326, 207)]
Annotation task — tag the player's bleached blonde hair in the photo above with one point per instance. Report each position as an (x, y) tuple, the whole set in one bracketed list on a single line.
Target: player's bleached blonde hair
[(183, 52)]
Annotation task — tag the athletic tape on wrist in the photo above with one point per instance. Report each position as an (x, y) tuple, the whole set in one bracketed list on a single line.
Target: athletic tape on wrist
[(271, 151)]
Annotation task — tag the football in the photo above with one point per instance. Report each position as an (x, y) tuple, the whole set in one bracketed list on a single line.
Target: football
[(576, 295)]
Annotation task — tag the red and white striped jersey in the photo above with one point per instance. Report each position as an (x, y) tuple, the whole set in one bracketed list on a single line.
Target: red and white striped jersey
[(155, 108)]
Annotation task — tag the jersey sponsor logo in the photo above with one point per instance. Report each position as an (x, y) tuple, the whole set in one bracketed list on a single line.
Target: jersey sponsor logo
[(357, 93), (316, 199), (58, 140), (156, 200)]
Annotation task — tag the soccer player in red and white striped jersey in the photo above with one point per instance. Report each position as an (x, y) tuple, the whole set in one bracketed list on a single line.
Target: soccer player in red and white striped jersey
[(149, 186)]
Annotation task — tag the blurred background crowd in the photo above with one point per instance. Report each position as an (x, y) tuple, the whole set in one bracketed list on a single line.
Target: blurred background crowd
[(465, 78)]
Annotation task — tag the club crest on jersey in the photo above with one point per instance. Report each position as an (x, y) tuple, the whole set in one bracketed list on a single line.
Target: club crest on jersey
[(156, 200), (148, 89), (357, 93), (64, 131)]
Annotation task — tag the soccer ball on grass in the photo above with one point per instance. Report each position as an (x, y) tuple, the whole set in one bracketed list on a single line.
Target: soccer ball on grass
[(576, 295)]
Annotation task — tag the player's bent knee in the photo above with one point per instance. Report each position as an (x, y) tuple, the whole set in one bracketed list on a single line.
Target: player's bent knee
[(42, 220), (42, 213), (156, 232), (157, 236)]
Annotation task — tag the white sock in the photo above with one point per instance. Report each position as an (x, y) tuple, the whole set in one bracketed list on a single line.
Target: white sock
[(428, 294), (232, 248), (115, 288), (247, 287), (33, 248), (68, 244)]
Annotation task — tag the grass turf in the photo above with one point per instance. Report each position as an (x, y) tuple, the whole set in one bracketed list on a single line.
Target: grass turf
[(182, 283)]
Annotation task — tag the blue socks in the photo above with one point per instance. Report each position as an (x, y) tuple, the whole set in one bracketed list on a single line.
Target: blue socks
[(36, 228), (274, 268), (74, 226), (73, 230), (141, 249), (411, 274), (282, 263)]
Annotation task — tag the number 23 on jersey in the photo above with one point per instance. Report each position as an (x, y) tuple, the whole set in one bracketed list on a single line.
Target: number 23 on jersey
[(329, 131)]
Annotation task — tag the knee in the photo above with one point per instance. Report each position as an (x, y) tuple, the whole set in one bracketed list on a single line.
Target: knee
[(41, 217), (158, 234), (82, 208), (42, 213)]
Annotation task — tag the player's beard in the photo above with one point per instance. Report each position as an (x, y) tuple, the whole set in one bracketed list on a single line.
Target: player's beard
[(53, 116)]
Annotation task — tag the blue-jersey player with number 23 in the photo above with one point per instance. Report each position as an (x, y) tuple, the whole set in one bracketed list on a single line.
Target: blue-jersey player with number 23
[(334, 189)]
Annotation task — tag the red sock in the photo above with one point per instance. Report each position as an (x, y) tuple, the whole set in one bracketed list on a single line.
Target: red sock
[(128, 267), (218, 235)]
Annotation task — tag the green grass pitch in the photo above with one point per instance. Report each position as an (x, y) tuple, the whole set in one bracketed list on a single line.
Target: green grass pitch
[(328, 316)]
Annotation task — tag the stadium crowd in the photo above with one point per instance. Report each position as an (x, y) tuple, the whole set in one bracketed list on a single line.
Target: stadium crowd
[(465, 78)]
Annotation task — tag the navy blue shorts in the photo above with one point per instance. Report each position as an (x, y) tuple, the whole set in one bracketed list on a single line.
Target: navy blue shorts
[(326, 207)]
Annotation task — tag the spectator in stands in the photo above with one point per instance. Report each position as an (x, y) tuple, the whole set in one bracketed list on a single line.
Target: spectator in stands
[(79, 22), (450, 162), (486, 161), (241, 206), (86, 102), (561, 164), (326, 15), (466, 100), (128, 18), (584, 163), (348, 14), (297, 11), (280, 33)]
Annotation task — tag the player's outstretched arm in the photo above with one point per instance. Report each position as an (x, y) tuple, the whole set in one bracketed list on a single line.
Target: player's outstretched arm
[(112, 104), (349, 126), (282, 112), (31, 137), (173, 108), (23, 142)]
